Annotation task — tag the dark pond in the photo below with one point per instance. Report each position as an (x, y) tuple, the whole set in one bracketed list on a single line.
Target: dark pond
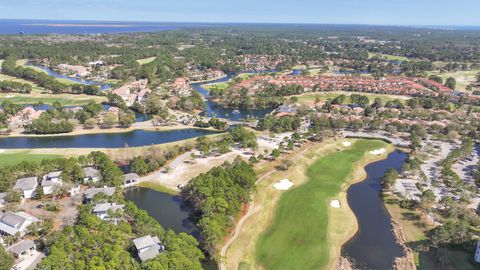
[(105, 140), (170, 211), (373, 246)]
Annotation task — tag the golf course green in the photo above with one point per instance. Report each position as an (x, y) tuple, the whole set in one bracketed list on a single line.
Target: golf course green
[(299, 236)]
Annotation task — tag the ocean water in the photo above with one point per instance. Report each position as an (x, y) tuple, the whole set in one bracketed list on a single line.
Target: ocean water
[(36, 27)]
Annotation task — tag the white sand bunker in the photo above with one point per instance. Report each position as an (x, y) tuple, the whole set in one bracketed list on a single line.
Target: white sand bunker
[(378, 151), (346, 143), (284, 184), (335, 203)]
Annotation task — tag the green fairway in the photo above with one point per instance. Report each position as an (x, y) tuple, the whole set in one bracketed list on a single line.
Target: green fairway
[(298, 237), (64, 99), (15, 158)]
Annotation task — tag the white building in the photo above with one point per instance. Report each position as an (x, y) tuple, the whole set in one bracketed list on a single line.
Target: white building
[(91, 175), (102, 210), (91, 192), (2, 199), (22, 249), (12, 223), (148, 247), (130, 179), (27, 186), (51, 182)]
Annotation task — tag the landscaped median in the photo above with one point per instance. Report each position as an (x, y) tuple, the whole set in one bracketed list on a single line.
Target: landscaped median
[(298, 228)]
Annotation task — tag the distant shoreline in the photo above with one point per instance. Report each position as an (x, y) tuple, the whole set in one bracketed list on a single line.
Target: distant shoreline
[(78, 25)]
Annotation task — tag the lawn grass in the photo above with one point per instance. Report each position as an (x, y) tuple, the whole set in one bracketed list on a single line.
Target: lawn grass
[(300, 236), (64, 99), (7, 159), (388, 57), (463, 78), (309, 98), (146, 60), (158, 187)]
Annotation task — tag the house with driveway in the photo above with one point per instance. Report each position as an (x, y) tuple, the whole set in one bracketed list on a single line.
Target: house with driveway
[(26, 186), (130, 179), (51, 182), (104, 210)]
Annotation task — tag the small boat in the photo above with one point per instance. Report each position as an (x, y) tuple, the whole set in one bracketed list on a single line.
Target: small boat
[(236, 112)]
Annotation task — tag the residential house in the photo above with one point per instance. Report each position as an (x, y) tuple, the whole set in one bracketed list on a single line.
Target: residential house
[(148, 247), (22, 249), (51, 182), (130, 179), (91, 192), (129, 92), (102, 210), (12, 223), (24, 117), (91, 175), (2, 199), (27, 186)]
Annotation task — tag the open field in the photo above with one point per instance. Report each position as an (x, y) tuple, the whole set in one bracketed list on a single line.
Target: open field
[(309, 98), (243, 252), (388, 57), (146, 60), (415, 229), (158, 187), (286, 245), (463, 78), (64, 99), (15, 157)]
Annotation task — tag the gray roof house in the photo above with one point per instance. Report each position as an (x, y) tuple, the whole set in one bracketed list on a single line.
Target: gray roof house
[(130, 179), (91, 174), (22, 248), (101, 209), (51, 181), (12, 223), (27, 186), (91, 192), (287, 109), (2, 199), (148, 247)]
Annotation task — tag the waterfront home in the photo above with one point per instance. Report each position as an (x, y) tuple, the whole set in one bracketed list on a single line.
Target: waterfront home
[(130, 179), (12, 223), (91, 192), (2, 199), (102, 210), (148, 247), (51, 182), (27, 186), (129, 92), (22, 249), (284, 110), (79, 71), (91, 175)]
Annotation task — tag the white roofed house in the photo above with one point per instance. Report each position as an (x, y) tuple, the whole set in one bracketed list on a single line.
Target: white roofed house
[(12, 223), (27, 186), (51, 182), (148, 247), (2, 199), (91, 175), (105, 210), (130, 179)]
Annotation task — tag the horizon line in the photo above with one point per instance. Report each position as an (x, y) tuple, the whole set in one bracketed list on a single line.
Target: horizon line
[(264, 23)]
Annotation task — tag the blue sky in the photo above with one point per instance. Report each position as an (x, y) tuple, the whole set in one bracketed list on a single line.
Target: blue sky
[(385, 12)]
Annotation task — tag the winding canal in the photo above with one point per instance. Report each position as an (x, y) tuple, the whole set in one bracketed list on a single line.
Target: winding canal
[(374, 245)]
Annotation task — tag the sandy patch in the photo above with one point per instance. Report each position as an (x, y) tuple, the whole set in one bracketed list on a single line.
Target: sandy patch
[(284, 184), (335, 203), (2, 150), (346, 143), (378, 151)]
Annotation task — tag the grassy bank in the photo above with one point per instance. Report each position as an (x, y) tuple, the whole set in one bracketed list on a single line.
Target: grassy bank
[(299, 234), (13, 158), (309, 98), (158, 187)]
